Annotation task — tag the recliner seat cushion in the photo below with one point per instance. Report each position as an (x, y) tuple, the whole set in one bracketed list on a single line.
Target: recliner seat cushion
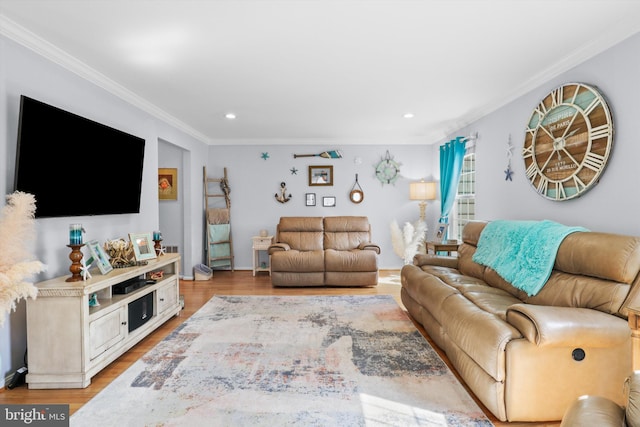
[(354, 260), (486, 345), (297, 261)]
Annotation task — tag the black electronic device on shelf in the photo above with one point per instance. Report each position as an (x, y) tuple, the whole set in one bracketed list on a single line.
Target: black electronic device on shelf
[(140, 311), (131, 285)]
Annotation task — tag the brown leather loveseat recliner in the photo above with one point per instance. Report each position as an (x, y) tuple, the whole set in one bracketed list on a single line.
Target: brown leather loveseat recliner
[(593, 410), (324, 251)]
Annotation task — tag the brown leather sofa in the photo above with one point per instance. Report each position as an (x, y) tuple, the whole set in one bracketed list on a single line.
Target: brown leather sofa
[(528, 358), (602, 412), (324, 251)]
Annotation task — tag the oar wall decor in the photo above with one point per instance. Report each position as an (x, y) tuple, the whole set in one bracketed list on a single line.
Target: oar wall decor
[(333, 154)]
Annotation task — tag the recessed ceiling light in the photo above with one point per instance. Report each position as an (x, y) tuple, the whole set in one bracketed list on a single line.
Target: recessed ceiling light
[(408, 116), (230, 116)]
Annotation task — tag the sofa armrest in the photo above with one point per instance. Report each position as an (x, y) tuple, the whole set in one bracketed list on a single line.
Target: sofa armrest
[(369, 246), (277, 247), (439, 260), (593, 411), (567, 326)]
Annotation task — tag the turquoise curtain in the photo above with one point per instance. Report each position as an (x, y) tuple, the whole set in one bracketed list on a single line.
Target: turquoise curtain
[(451, 158)]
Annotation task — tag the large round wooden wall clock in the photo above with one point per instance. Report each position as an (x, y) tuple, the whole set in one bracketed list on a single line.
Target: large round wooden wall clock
[(568, 141)]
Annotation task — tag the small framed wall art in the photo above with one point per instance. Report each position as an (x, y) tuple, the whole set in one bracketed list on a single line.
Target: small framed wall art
[(320, 175), (329, 202), (310, 199), (101, 257), (142, 246), (168, 183)]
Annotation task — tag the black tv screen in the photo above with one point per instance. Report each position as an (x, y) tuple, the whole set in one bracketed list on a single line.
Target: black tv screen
[(75, 166)]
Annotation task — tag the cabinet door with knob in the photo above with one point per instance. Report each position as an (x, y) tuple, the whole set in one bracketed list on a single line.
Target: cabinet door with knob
[(107, 331), (167, 297)]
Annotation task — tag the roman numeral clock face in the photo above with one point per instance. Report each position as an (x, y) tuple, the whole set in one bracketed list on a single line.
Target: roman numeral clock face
[(568, 141)]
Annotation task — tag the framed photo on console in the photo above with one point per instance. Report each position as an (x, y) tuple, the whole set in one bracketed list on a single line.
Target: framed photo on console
[(101, 257), (441, 231), (142, 246)]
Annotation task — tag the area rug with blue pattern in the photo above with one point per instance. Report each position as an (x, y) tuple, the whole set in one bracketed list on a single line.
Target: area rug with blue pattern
[(288, 361)]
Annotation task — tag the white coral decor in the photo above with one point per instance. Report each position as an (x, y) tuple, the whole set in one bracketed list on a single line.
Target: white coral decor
[(17, 264), (406, 242)]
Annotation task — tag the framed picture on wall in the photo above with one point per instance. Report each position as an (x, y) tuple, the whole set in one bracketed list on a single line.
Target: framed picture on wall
[(310, 199), (320, 175), (168, 183), (329, 202)]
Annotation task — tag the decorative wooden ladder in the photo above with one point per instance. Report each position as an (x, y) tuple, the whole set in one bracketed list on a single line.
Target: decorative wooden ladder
[(216, 253)]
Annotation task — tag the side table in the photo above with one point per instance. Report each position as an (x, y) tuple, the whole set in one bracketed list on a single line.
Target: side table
[(442, 247), (261, 244)]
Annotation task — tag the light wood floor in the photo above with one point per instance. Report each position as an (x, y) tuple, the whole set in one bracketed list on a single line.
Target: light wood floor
[(196, 294)]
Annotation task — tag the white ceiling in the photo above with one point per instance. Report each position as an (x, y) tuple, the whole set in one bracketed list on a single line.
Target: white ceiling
[(319, 71)]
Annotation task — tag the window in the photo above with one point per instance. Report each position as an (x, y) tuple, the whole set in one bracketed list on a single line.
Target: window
[(464, 207)]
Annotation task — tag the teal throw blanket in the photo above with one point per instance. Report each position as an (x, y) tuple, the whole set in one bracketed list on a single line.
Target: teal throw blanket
[(522, 252)]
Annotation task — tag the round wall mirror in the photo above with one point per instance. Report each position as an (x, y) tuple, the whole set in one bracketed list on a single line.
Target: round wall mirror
[(356, 196)]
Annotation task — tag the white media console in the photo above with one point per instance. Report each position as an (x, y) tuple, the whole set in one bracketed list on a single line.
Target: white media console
[(68, 341)]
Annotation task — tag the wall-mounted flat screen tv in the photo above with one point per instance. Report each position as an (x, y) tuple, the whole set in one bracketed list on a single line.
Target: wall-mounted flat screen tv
[(75, 166)]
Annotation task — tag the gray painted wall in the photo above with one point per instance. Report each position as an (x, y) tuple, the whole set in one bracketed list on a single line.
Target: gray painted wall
[(610, 206)]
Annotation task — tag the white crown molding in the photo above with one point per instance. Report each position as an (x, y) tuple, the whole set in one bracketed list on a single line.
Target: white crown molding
[(422, 140), (616, 33), (26, 38)]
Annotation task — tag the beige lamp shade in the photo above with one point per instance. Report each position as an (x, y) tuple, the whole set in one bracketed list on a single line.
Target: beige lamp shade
[(422, 190)]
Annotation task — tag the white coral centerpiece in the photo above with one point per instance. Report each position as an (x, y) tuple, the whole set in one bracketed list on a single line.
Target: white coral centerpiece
[(120, 252), (407, 241), (17, 264)]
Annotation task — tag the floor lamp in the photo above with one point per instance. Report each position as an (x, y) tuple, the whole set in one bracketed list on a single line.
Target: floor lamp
[(422, 191)]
